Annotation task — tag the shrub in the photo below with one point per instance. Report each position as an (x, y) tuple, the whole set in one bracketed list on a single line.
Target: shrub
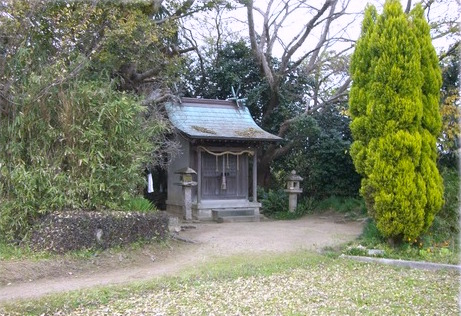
[(275, 205), (342, 205), (73, 230), (88, 154), (446, 223), (371, 235), (273, 201), (139, 204), (304, 207)]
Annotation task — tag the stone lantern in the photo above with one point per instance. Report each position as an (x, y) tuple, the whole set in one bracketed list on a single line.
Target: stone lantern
[(186, 181), (293, 189)]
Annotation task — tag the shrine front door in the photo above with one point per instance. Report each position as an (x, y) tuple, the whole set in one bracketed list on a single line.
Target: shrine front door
[(224, 177)]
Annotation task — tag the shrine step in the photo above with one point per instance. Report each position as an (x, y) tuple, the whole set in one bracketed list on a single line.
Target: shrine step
[(234, 219), (235, 215)]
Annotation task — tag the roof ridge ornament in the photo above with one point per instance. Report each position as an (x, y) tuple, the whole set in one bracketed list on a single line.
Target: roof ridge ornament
[(239, 102)]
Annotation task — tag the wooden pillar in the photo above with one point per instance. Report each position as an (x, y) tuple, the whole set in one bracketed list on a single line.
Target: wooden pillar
[(255, 177), (199, 175)]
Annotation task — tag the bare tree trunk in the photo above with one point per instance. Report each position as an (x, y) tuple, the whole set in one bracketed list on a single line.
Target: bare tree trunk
[(262, 44), (264, 174), (266, 158)]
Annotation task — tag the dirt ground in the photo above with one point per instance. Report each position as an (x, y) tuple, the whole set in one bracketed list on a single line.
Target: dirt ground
[(201, 242)]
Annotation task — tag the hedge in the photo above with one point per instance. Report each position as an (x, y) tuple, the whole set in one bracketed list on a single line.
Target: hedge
[(64, 231)]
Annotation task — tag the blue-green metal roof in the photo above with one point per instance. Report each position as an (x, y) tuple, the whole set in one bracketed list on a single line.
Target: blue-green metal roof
[(215, 119)]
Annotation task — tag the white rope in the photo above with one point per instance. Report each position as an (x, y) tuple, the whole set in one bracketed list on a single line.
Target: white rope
[(223, 180), (235, 153)]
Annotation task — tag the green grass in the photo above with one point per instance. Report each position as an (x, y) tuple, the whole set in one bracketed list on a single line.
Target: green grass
[(15, 252), (139, 204), (300, 283), (426, 248)]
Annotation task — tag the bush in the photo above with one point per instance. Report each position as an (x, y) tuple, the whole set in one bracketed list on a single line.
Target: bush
[(446, 223), (273, 201), (139, 204), (303, 208), (342, 205), (275, 205), (371, 235), (88, 154), (74, 230)]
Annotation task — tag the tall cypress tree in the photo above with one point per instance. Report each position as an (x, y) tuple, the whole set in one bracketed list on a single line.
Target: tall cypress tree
[(394, 107), (431, 124)]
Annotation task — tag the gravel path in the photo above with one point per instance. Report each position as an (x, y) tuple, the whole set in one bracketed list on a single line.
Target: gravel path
[(212, 240)]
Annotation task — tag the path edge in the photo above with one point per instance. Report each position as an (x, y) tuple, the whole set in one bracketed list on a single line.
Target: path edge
[(406, 263)]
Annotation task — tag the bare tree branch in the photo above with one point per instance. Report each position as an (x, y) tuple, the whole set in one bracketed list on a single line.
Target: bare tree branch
[(307, 29), (272, 39), (185, 10), (72, 74), (311, 66), (257, 51), (426, 4), (159, 96), (340, 93), (452, 50), (408, 8), (190, 38)]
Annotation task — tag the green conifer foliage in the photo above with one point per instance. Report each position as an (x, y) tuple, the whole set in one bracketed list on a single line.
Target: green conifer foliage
[(396, 120)]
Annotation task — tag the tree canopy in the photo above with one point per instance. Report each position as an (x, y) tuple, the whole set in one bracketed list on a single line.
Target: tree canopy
[(79, 82)]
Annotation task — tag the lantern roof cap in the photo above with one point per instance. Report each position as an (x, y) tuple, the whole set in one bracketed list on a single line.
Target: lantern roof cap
[(293, 176), (186, 170)]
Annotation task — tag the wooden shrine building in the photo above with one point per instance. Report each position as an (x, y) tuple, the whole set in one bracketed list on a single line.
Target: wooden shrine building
[(219, 142)]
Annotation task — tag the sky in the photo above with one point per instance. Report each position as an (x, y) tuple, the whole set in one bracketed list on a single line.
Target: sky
[(347, 26)]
